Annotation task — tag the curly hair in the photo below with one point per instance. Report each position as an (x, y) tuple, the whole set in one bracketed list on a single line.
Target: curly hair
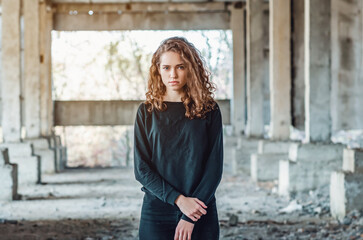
[(198, 91)]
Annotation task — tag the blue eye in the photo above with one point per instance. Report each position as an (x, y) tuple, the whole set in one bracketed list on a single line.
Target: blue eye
[(181, 67), (165, 67)]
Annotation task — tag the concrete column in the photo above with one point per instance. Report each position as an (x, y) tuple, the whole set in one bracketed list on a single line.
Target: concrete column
[(297, 68), (238, 103), (10, 71), (353, 160), (317, 70), (280, 69), (346, 185), (255, 64), (8, 177), (46, 103), (345, 193), (346, 64), (0, 74), (31, 68)]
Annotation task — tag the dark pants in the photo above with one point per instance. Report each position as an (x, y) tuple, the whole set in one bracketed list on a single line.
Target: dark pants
[(159, 220)]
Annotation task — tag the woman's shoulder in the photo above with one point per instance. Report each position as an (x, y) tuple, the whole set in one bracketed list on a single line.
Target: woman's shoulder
[(142, 109), (215, 108), (214, 113)]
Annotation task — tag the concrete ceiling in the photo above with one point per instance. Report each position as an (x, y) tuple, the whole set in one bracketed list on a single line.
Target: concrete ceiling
[(128, 1)]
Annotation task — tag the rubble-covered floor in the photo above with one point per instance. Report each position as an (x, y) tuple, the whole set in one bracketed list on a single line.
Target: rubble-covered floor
[(106, 203)]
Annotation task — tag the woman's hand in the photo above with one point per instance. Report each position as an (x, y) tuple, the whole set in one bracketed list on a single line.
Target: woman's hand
[(193, 208), (184, 230)]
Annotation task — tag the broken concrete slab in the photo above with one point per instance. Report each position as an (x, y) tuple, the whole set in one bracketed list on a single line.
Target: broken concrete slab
[(265, 167), (353, 160), (48, 160), (61, 154), (29, 165), (309, 166), (41, 148), (242, 154), (39, 143), (8, 177), (18, 149), (345, 193), (28, 169), (268, 146), (315, 152)]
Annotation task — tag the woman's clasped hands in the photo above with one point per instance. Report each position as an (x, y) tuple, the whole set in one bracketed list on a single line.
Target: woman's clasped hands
[(193, 208)]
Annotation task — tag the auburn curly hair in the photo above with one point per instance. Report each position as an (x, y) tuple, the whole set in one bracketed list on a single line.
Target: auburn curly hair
[(198, 91)]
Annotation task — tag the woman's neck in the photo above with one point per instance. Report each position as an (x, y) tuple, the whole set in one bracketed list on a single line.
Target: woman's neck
[(173, 97)]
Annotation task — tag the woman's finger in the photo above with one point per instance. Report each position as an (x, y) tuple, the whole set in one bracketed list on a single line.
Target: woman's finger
[(189, 236), (183, 236), (203, 211), (176, 235), (201, 203), (192, 217)]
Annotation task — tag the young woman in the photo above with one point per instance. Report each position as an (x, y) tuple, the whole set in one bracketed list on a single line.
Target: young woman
[(178, 147)]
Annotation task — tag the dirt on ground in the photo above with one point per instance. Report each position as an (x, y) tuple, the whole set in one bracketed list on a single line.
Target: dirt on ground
[(127, 229), (105, 204)]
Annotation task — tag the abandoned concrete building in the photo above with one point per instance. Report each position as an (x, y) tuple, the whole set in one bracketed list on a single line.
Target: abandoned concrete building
[(297, 83)]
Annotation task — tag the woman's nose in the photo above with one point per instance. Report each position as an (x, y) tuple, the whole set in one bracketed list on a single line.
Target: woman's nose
[(173, 73)]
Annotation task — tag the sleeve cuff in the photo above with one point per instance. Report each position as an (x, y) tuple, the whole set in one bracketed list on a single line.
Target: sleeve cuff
[(172, 197), (184, 217)]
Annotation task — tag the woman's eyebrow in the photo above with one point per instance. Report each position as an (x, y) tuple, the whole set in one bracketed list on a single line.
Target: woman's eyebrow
[(175, 65)]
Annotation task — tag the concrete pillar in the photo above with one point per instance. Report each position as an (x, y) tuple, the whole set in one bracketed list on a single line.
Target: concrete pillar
[(8, 177), (10, 71), (280, 69), (0, 76), (317, 70), (31, 69), (353, 160), (347, 62), (238, 102), (255, 64), (46, 103), (297, 69), (345, 193), (346, 185)]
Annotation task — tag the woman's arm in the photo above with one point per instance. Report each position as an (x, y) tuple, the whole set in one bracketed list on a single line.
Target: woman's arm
[(143, 168), (214, 164)]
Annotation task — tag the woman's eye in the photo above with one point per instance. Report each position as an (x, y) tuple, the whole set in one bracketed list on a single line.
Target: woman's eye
[(165, 68), (181, 67)]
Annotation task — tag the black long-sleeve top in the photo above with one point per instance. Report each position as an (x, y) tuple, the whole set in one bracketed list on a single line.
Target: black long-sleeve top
[(174, 155)]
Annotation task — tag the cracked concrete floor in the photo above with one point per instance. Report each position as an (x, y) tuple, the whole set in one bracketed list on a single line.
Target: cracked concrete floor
[(106, 204)]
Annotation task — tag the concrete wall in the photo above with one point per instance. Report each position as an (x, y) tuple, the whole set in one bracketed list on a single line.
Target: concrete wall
[(108, 113), (347, 62)]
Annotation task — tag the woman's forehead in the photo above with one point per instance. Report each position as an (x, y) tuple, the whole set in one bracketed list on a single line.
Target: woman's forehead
[(171, 58)]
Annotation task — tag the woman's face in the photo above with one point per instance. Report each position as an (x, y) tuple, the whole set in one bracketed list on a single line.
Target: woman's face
[(173, 71)]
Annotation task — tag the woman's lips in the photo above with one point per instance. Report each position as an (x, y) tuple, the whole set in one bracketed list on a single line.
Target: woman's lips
[(173, 82)]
